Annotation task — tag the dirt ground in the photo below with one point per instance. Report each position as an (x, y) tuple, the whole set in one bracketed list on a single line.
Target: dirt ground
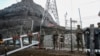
[(43, 52)]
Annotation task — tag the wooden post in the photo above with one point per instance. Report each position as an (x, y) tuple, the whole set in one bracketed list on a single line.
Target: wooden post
[(71, 34), (20, 37), (5, 48), (91, 40), (39, 39), (65, 21), (80, 17), (32, 25)]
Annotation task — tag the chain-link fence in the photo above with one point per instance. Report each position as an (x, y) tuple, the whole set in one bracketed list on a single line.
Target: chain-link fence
[(48, 42)]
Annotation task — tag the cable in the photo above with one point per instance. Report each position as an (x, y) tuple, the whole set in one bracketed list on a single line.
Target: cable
[(84, 4)]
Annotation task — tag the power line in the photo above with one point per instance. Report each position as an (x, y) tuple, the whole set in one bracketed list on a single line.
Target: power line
[(84, 4), (92, 16)]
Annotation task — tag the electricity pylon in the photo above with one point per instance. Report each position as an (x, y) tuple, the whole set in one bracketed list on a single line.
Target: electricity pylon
[(52, 7)]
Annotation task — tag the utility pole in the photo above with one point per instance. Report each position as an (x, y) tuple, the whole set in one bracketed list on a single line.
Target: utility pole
[(32, 25), (71, 34), (21, 30), (81, 26), (65, 21), (80, 17)]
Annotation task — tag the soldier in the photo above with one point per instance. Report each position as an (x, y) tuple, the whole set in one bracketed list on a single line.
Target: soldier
[(97, 39), (55, 38), (42, 34), (30, 37), (16, 38), (87, 37), (79, 33), (62, 40)]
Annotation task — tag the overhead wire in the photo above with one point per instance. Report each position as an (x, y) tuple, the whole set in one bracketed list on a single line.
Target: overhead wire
[(88, 3)]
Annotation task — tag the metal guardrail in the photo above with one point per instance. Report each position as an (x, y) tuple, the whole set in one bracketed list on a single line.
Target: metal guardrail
[(22, 47), (20, 36)]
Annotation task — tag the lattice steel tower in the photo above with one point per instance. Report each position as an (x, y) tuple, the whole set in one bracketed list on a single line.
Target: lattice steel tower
[(52, 7)]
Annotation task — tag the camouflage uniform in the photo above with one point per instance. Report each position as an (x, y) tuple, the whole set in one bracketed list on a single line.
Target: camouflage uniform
[(62, 40), (55, 38), (30, 37), (16, 38), (97, 39), (42, 34), (79, 33)]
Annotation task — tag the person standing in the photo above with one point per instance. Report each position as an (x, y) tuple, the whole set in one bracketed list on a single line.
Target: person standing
[(55, 38), (97, 39), (16, 38), (30, 37), (42, 34), (62, 40), (79, 33)]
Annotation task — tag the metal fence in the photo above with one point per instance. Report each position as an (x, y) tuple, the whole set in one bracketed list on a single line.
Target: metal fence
[(48, 42)]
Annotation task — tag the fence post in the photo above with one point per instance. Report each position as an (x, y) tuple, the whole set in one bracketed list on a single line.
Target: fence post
[(91, 40), (21, 37), (39, 39), (71, 34)]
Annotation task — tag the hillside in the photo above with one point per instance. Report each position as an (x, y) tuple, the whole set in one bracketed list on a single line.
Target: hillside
[(26, 10)]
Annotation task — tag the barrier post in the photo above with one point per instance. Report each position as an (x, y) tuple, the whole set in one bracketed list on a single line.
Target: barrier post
[(21, 42), (5, 50), (39, 39), (91, 40)]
